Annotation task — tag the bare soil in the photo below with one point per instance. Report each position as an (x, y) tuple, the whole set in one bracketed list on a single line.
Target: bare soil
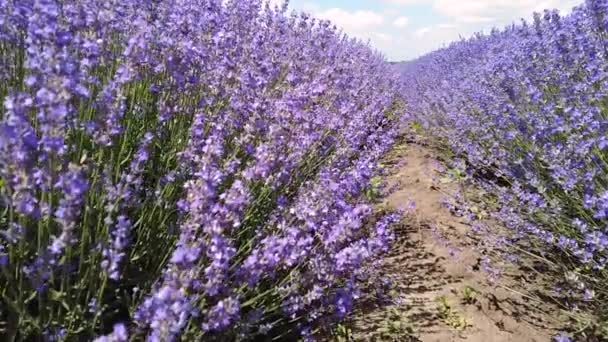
[(433, 264)]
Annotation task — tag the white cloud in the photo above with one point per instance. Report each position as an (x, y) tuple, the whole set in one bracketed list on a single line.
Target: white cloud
[(404, 2), (362, 24), (276, 2), (352, 22), (501, 11), (382, 37), (446, 27), (422, 31), (401, 22)]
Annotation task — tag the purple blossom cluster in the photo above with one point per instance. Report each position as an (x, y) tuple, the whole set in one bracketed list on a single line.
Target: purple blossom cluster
[(527, 107), (186, 169)]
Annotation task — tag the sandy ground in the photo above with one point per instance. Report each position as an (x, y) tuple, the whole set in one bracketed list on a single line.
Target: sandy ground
[(436, 257)]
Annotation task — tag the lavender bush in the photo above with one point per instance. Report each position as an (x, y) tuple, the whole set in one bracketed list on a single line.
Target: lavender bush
[(184, 169), (528, 107)]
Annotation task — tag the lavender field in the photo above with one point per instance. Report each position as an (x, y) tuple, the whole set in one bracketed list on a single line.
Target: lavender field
[(209, 170), (526, 107)]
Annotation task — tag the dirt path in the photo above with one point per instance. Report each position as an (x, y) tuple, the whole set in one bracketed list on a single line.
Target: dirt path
[(443, 293)]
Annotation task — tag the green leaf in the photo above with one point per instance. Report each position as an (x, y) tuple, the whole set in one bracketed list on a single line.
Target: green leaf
[(59, 297), (30, 297)]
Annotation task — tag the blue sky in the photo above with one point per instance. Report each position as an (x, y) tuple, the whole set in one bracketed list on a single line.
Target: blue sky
[(405, 29)]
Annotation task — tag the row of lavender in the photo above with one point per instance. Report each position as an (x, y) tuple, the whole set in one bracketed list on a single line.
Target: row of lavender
[(184, 169), (529, 105)]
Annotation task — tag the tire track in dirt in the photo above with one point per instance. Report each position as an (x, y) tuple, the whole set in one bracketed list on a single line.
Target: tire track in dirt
[(435, 270)]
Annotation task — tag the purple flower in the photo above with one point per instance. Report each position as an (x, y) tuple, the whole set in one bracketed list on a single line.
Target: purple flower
[(235, 139), (4, 260), (562, 337), (115, 253), (588, 295), (222, 315), (119, 334), (55, 334)]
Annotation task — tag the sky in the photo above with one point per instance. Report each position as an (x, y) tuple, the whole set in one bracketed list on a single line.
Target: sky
[(406, 29)]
